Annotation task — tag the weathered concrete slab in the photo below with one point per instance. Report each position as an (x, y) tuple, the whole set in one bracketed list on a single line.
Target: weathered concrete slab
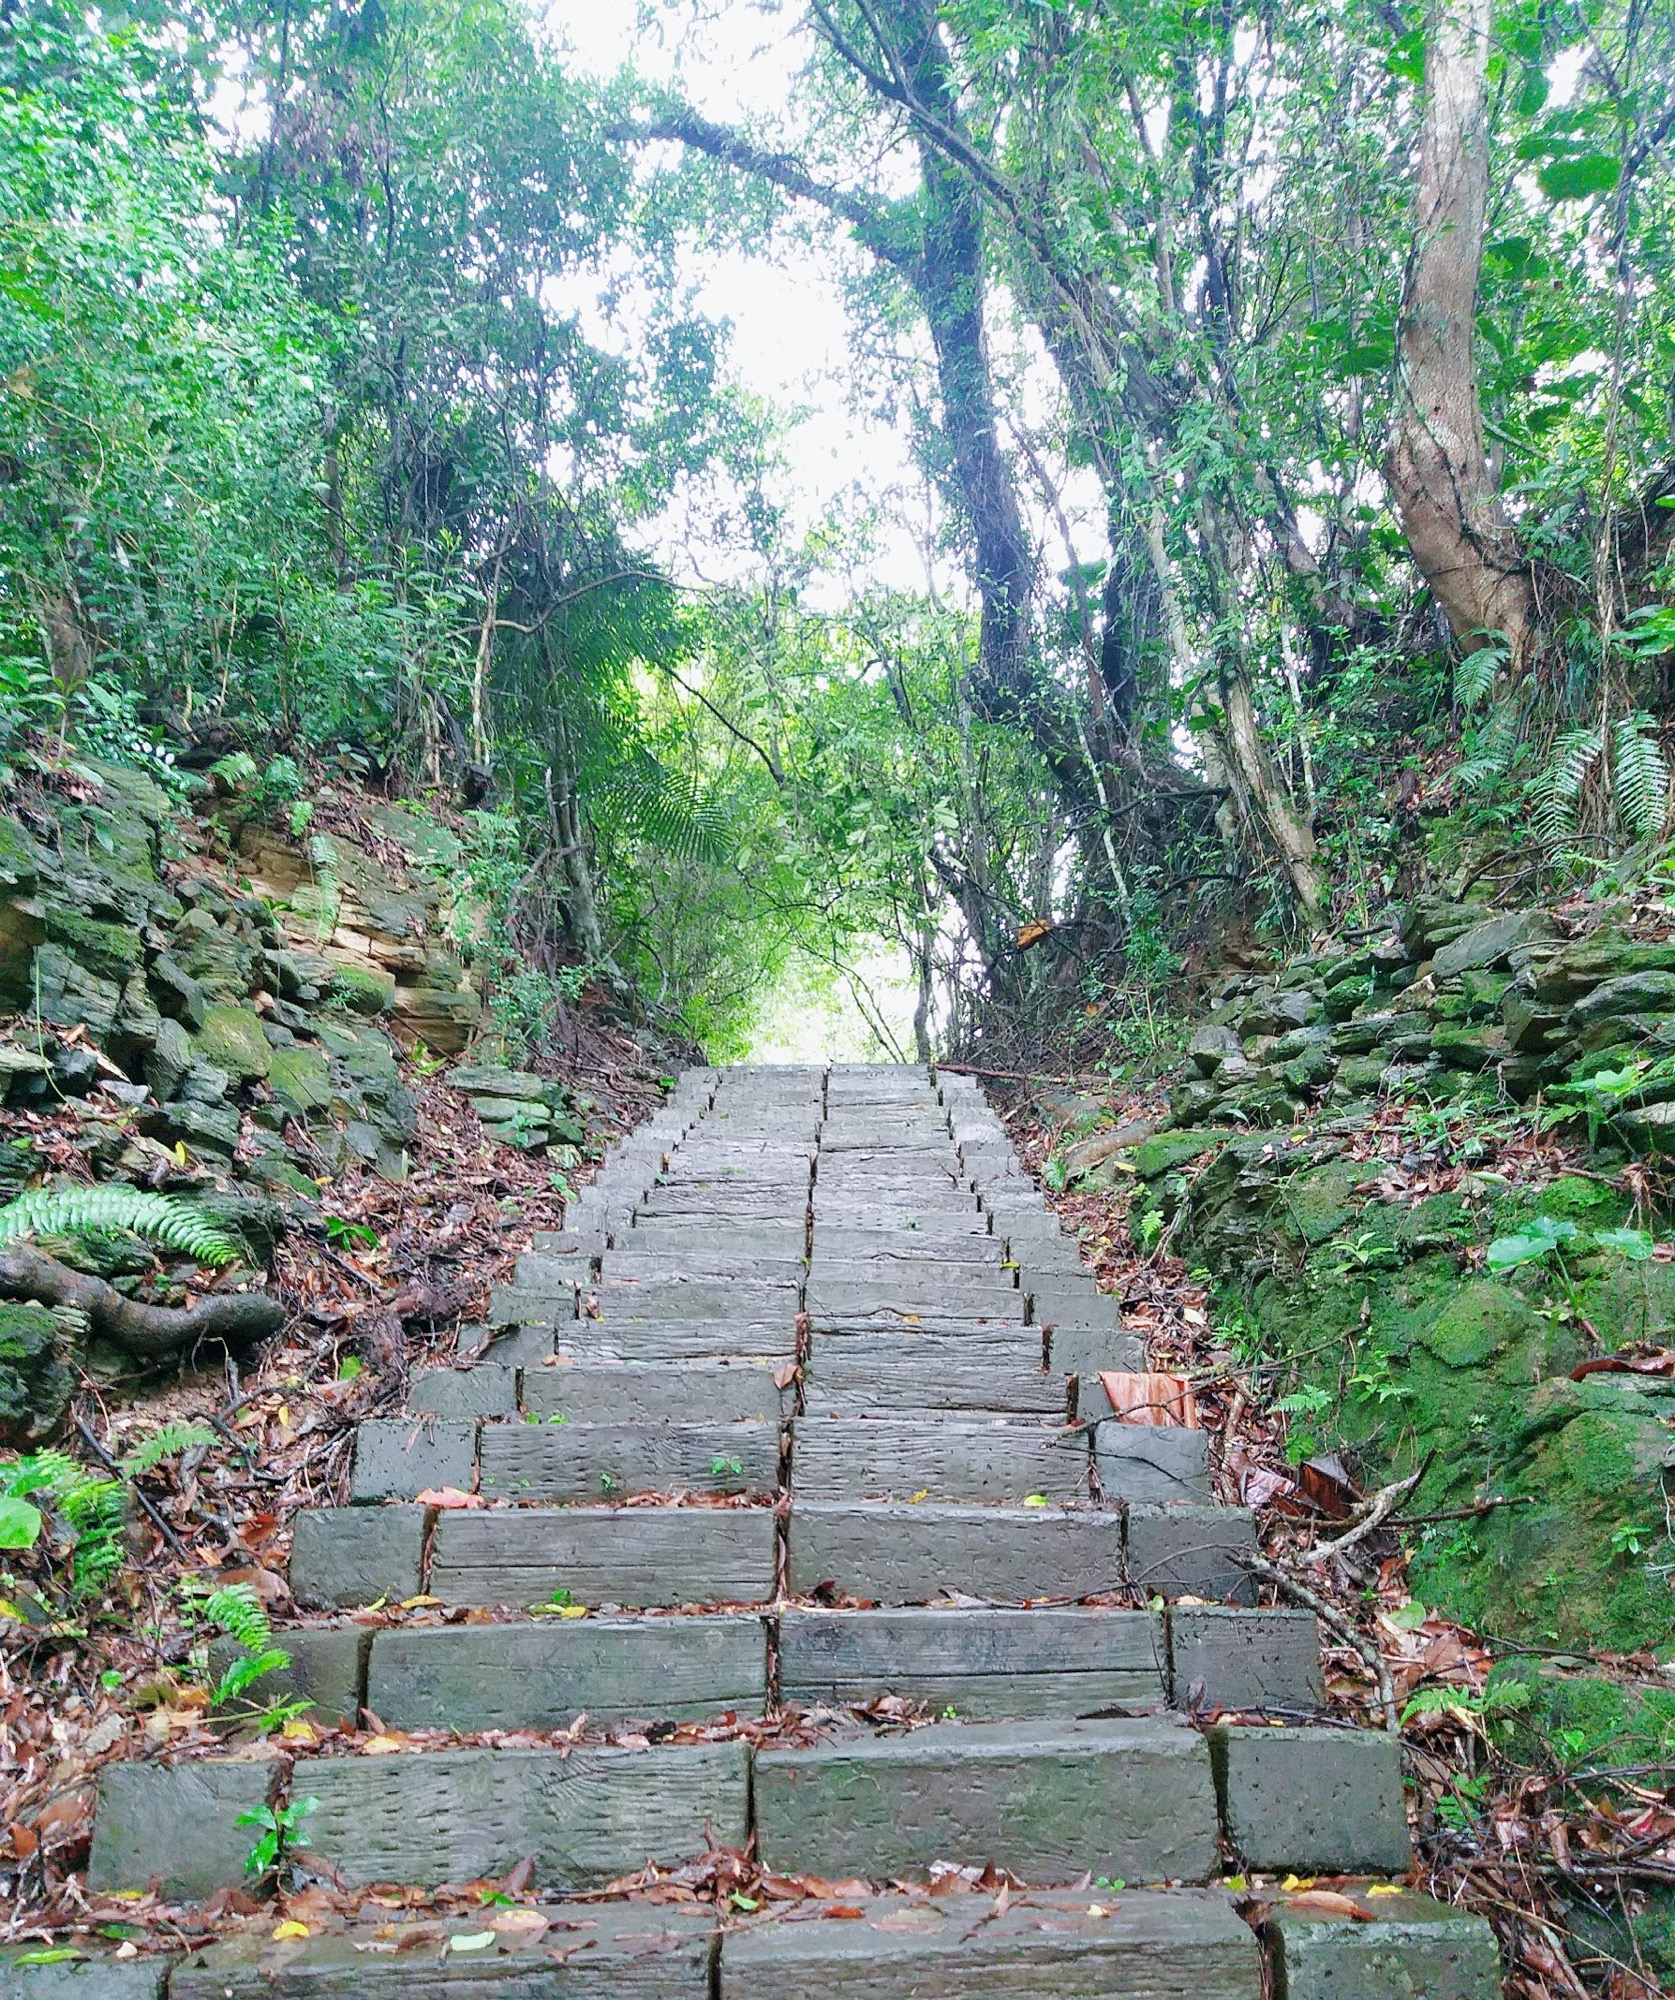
[(683, 1233), (890, 1302), (857, 1458), (1152, 1465), (732, 1205), (986, 1664), (489, 1390), (597, 1340), (328, 1669), (1137, 1946), (913, 1554), (872, 1214), (346, 1557), (1413, 1949), (1050, 1801), (542, 1676), (585, 1814), (97, 1976), (577, 1461), (715, 1258), (522, 1346), (626, 1952), (883, 1373), (651, 1392), (1190, 1551), (1054, 1301), (518, 1305), (631, 1556), (397, 1458), (697, 1298), (176, 1825), (1313, 1799), (1245, 1659), (839, 1241)]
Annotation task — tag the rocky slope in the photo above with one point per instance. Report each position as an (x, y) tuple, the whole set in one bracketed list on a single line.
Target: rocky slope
[(207, 1005)]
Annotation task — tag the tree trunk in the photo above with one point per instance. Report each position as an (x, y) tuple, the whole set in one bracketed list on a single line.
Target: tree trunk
[(1438, 472)]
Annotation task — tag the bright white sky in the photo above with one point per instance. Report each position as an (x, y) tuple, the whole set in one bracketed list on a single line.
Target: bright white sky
[(790, 341)]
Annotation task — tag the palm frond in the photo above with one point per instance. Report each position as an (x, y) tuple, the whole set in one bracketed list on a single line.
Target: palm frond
[(651, 803), (104, 1211)]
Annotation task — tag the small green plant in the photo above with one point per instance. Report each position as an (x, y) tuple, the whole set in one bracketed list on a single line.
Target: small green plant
[(1631, 1540), (1309, 1401), (342, 1234), (279, 1838), (608, 1485), (47, 1497), (726, 1468), (235, 1610), (104, 1211)]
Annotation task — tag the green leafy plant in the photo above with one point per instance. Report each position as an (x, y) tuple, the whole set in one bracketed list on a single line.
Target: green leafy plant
[(279, 1838), (85, 1510), (726, 1468), (102, 1211), (342, 1234)]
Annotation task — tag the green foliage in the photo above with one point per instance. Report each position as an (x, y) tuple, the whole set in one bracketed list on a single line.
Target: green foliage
[(280, 1836), (47, 1496), (111, 1209)]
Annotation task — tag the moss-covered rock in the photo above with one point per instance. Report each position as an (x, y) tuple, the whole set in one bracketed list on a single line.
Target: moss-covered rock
[(36, 1377), (301, 1080), (1165, 1152), (231, 1038), (364, 989)]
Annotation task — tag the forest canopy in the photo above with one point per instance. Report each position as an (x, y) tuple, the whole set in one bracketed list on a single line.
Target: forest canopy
[(1289, 390)]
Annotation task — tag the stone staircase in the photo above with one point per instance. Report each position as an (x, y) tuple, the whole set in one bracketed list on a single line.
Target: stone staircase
[(803, 1408)]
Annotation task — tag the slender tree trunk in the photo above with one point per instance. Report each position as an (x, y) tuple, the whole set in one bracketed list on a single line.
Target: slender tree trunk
[(1439, 474)]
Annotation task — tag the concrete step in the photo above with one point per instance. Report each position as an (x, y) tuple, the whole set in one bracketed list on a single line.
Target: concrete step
[(609, 1952), (647, 1340), (987, 1665), (935, 1457), (889, 1300), (1136, 1946), (909, 1553), (759, 1301), (944, 1245), (585, 1814), (398, 1458), (879, 1374), (694, 1232), (543, 1676), (488, 1390), (612, 1461), (714, 1258), (1051, 1802), (650, 1392), (635, 1557)]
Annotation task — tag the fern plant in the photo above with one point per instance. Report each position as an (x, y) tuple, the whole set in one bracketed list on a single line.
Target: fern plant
[(1639, 775), (1557, 791), (103, 1211), (235, 1610), (164, 1443)]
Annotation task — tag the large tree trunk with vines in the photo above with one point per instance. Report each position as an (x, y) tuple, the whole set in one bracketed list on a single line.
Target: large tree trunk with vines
[(1438, 470)]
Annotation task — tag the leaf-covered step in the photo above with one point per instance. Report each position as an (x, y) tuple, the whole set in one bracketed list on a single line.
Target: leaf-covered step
[(607, 1951), (1132, 1946)]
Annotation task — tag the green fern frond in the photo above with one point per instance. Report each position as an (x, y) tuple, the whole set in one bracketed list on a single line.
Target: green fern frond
[(102, 1211), (97, 1510), (1639, 775), (164, 1444), (244, 1673), (234, 1608), (1491, 755), (1475, 676), (1557, 790), (48, 1471)]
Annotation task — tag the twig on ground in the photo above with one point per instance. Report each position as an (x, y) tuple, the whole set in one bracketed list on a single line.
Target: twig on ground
[(1335, 1623)]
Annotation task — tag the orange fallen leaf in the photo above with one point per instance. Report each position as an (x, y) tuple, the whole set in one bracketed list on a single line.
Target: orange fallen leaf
[(447, 1496)]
